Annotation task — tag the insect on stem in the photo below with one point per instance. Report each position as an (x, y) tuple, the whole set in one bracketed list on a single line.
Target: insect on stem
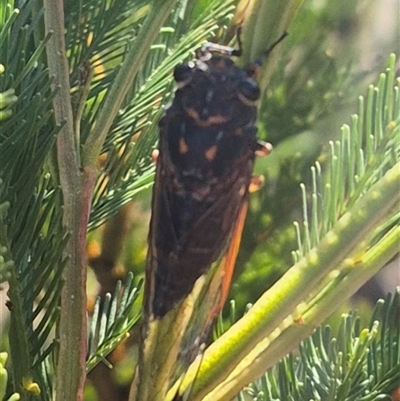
[(204, 175)]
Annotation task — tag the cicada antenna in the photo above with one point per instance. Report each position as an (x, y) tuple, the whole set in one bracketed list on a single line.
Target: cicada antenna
[(239, 51), (254, 67), (269, 50)]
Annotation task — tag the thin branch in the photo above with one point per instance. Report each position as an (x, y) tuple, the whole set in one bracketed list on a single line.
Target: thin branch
[(77, 186)]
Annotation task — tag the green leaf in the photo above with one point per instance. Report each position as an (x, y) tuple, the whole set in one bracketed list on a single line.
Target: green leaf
[(111, 321)]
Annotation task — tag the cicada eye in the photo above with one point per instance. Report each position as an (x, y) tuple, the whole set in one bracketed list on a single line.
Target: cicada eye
[(248, 90), (182, 74)]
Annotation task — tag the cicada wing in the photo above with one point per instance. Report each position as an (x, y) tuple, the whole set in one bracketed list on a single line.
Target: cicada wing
[(208, 306), (171, 341)]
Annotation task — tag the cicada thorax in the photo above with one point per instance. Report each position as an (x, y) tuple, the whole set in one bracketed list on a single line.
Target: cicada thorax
[(207, 147)]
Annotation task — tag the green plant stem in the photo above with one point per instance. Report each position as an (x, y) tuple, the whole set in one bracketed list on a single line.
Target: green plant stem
[(77, 187), (292, 331), (294, 287), (159, 12)]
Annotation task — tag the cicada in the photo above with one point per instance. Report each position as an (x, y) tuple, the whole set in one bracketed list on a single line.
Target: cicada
[(207, 147)]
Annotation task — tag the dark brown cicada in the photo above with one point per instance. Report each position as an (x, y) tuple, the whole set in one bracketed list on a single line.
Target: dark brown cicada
[(204, 169), (206, 157)]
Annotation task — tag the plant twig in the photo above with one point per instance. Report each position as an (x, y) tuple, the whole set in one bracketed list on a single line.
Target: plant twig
[(77, 187)]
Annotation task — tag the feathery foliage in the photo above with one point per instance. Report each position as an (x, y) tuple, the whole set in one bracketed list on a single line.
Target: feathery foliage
[(111, 322), (31, 232), (358, 364)]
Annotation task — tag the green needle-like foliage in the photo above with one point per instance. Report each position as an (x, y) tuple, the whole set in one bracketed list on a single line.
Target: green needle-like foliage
[(356, 364), (111, 322), (32, 239), (367, 150)]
